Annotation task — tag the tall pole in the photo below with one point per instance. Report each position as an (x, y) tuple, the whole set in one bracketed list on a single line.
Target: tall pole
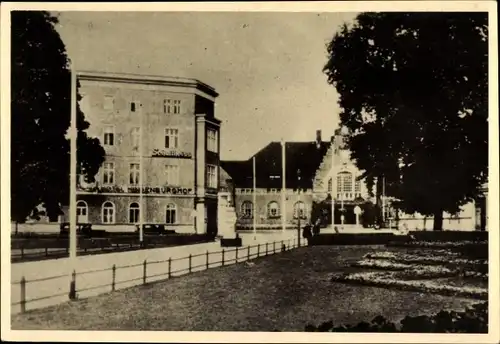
[(72, 186), (254, 193), (333, 184), (142, 208), (383, 200), (298, 210), (342, 200), (283, 182)]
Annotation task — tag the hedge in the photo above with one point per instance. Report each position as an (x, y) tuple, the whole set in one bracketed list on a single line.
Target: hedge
[(357, 239), (449, 235), (472, 320)]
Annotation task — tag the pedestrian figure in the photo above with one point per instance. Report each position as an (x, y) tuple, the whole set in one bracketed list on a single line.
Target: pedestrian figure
[(307, 233), (316, 228)]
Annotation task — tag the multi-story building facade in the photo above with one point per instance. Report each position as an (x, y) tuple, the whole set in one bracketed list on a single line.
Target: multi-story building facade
[(309, 175), (323, 177), (160, 134)]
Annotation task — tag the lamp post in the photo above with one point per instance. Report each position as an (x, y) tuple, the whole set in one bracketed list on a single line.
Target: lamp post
[(298, 203)]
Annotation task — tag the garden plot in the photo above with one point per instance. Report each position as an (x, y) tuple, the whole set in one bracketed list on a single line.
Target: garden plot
[(442, 271)]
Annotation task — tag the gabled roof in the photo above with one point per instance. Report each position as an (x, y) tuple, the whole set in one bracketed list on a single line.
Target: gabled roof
[(303, 156)]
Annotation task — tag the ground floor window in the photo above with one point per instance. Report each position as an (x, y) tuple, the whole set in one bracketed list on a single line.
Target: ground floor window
[(247, 209), (81, 212), (299, 209), (133, 213), (170, 213), (273, 209), (108, 212)]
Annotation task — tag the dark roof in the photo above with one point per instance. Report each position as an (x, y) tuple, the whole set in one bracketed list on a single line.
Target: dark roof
[(303, 156)]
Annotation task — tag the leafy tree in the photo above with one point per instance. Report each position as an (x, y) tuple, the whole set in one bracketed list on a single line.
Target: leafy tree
[(413, 93), (41, 114)]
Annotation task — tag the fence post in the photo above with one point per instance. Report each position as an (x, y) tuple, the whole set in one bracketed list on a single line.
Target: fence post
[(237, 249), (248, 252), (170, 267), (113, 277), (274, 247), (207, 261), (72, 286), (190, 263), (258, 250), (222, 257), (23, 295), (46, 251), (144, 275), (22, 252), (289, 244), (266, 249), (283, 248)]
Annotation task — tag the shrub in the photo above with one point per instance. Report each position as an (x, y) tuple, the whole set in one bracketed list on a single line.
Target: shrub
[(472, 320)]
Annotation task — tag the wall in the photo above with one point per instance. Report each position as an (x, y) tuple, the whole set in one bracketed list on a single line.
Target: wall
[(263, 198), (155, 208), (154, 123)]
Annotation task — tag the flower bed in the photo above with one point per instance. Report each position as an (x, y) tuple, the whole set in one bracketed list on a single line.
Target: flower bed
[(387, 279), (429, 258)]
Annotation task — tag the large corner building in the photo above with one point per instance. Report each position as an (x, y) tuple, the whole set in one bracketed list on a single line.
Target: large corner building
[(160, 134)]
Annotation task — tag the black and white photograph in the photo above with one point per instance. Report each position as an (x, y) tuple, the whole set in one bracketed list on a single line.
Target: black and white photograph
[(288, 170)]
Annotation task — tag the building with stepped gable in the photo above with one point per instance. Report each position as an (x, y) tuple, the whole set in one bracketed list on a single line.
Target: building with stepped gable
[(312, 176), (309, 178)]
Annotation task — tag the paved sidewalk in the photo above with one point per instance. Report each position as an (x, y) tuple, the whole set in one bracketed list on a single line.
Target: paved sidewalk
[(94, 274)]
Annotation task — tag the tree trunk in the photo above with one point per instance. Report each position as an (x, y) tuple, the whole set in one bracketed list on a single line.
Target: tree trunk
[(438, 220)]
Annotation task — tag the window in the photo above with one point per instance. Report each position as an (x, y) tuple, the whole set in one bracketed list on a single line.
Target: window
[(344, 182), (357, 188), (171, 138), (212, 141), (170, 213), (108, 103), (177, 106), (134, 174), (247, 209), (167, 103), (108, 212), (81, 211), (136, 137), (171, 175), (171, 106), (330, 185), (133, 106), (133, 213), (109, 136), (273, 209), (211, 176), (299, 209), (108, 176)]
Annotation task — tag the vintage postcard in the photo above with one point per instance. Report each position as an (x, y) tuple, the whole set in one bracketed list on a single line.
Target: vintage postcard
[(250, 172)]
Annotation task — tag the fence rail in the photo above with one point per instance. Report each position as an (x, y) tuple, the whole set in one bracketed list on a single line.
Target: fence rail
[(56, 247), (169, 268)]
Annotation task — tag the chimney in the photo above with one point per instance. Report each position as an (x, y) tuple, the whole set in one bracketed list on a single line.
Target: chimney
[(318, 135)]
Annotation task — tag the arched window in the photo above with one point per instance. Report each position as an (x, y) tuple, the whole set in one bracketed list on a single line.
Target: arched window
[(273, 209), (330, 185), (299, 209), (133, 213), (170, 213), (247, 209), (344, 182), (82, 212), (108, 212)]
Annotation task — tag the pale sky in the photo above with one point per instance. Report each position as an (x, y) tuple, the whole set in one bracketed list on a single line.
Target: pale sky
[(267, 67)]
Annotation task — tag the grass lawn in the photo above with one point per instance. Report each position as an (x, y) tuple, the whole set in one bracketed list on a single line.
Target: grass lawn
[(282, 292)]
